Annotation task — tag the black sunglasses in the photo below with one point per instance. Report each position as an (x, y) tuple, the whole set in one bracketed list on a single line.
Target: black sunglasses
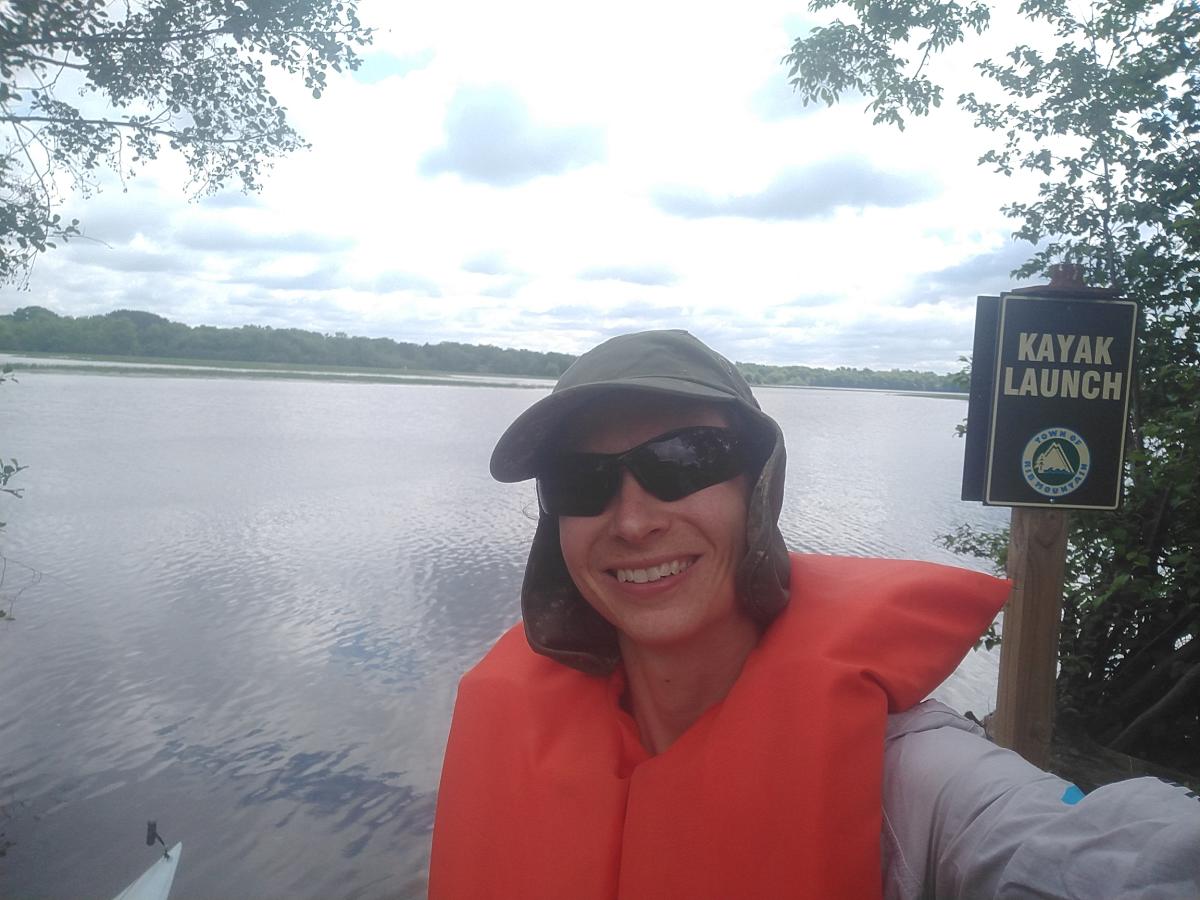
[(670, 467)]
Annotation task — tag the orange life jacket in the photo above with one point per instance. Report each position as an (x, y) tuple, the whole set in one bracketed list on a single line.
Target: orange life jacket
[(547, 791)]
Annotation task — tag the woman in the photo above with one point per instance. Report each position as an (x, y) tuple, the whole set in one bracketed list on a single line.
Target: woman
[(689, 711)]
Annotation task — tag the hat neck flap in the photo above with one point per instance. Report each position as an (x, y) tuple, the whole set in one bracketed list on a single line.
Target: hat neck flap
[(559, 623)]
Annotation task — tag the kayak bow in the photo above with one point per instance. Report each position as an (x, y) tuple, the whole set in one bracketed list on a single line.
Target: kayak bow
[(155, 882)]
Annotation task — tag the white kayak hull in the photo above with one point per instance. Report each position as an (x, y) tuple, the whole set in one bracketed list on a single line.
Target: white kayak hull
[(155, 882)]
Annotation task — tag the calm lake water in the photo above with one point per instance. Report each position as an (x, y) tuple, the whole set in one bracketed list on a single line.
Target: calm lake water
[(240, 608)]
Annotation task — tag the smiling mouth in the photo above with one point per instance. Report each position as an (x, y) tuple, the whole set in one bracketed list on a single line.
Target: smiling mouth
[(654, 573)]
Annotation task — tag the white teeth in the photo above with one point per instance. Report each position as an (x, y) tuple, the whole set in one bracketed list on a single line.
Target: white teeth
[(641, 576)]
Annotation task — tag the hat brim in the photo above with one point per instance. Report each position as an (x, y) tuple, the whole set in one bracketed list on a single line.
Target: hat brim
[(517, 452)]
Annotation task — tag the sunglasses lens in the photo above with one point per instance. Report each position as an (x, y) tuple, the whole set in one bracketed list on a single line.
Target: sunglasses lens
[(677, 465), (669, 467), (578, 484)]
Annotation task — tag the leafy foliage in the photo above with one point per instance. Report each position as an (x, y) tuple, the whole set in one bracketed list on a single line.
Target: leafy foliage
[(1100, 102), (8, 467), (88, 84), (863, 57), (11, 467)]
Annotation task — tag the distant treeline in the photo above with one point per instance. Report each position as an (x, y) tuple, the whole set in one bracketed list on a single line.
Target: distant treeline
[(128, 332), (842, 377), (132, 333)]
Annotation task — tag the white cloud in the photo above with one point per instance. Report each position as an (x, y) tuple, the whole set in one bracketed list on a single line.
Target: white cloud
[(490, 138), (807, 192), (633, 274)]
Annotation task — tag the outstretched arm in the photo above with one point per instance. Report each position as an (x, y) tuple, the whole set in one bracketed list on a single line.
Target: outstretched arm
[(965, 818)]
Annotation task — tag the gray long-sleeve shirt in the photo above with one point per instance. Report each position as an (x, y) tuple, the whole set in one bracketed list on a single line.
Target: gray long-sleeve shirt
[(965, 818)]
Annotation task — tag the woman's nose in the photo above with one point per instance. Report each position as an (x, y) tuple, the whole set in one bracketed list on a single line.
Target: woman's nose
[(637, 514)]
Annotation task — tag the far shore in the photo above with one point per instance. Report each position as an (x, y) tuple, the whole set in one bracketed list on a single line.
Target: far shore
[(83, 364)]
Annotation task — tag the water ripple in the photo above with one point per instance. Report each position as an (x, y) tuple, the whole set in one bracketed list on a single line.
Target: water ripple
[(254, 601)]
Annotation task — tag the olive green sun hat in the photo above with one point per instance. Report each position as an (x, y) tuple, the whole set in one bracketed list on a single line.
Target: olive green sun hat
[(559, 623), (672, 363)]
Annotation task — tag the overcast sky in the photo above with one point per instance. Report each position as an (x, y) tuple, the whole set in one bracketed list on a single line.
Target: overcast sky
[(531, 175)]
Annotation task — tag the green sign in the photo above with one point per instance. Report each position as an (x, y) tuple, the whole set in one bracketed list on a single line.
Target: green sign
[(1059, 402)]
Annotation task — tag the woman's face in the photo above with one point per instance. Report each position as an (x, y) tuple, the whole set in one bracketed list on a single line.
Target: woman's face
[(661, 572)]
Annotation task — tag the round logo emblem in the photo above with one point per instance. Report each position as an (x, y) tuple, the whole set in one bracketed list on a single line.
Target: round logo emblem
[(1055, 462)]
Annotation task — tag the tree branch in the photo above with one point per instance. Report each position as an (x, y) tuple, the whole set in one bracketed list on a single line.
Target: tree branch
[(166, 37), (132, 37), (62, 63), (136, 126), (1183, 691), (1138, 694)]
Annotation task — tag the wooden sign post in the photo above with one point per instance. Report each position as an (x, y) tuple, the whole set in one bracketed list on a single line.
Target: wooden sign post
[(1050, 389), (1024, 717)]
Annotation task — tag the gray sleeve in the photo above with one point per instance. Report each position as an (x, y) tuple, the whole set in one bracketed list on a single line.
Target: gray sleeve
[(965, 818)]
